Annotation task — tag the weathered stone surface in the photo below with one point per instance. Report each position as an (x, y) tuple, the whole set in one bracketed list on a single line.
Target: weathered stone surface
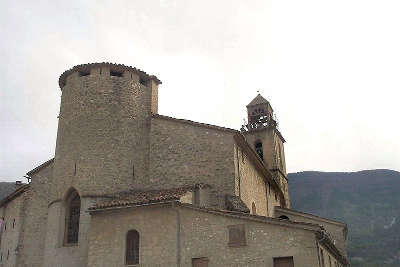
[(111, 140)]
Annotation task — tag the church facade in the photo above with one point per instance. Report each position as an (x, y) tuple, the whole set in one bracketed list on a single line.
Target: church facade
[(130, 187)]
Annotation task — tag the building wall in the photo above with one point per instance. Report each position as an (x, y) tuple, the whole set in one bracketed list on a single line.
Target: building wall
[(335, 229), (206, 235), (327, 259), (36, 218), (274, 155), (58, 254), (251, 186), (103, 133), (201, 235), (184, 154), (157, 228), (12, 213)]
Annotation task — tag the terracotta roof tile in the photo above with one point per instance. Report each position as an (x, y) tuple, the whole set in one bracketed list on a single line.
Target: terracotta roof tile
[(146, 197)]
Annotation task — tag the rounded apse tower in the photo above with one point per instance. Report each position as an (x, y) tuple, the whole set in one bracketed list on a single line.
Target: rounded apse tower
[(103, 129)]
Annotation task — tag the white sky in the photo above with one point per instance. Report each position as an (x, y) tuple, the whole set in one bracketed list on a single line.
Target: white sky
[(329, 68)]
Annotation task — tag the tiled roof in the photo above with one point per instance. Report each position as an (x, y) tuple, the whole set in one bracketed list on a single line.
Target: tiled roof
[(41, 166), (235, 203), (258, 100), (199, 124), (146, 197), (18, 191)]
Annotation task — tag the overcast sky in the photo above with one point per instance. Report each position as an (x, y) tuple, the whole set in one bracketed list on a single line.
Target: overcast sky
[(329, 68)]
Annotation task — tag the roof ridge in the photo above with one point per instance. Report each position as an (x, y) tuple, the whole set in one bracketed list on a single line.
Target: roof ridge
[(200, 124)]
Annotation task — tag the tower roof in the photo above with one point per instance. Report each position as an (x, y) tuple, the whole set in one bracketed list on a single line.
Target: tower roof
[(257, 101)]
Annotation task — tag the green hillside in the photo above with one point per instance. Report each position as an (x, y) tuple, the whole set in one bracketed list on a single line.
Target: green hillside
[(368, 201)]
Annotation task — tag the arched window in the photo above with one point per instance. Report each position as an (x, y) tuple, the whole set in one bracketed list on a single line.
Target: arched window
[(73, 211), (259, 150), (132, 248), (253, 208)]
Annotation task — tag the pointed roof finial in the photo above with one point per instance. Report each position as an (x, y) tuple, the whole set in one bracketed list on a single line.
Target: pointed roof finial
[(258, 100)]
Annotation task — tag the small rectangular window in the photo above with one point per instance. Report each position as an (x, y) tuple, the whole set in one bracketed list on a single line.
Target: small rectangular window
[(283, 262), (196, 196), (236, 235), (84, 73), (13, 223), (322, 257), (116, 73), (200, 262), (142, 81)]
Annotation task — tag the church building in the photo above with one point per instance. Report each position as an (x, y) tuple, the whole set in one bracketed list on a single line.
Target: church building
[(130, 187)]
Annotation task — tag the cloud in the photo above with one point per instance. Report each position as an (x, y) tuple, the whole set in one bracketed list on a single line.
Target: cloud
[(329, 69)]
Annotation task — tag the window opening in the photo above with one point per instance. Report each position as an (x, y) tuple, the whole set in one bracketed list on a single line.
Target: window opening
[(116, 73), (200, 262), (84, 73), (72, 218), (259, 150), (253, 208), (132, 247)]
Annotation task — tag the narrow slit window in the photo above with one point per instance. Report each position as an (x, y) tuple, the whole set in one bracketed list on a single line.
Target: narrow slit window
[(253, 208), (116, 73), (142, 81), (132, 248), (259, 150), (200, 262), (84, 73), (72, 218)]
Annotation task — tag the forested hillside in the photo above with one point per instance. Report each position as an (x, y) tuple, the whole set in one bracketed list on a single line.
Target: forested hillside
[(368, 201)]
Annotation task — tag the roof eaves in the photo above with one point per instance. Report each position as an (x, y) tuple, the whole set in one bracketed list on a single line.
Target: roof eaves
[(14, 194), (41, 166), (247, 216), (304, 214), (325, 239)]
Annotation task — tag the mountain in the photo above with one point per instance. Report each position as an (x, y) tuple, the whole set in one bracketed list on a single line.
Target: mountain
[(368, 201)]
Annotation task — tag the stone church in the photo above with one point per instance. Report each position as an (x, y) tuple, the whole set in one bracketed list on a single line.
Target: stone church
[(130, 187)]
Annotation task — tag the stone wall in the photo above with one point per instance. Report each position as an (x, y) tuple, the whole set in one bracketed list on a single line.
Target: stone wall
[(336, 229), (251, 186), (206, 235), (327, 259), (157, 229), (12, 227), (200, 234), (58, 254), (183, 153), (36, 218), (103, 132), (273, 153)]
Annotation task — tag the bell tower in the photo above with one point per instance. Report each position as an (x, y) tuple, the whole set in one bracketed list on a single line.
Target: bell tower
[(262, 134)]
